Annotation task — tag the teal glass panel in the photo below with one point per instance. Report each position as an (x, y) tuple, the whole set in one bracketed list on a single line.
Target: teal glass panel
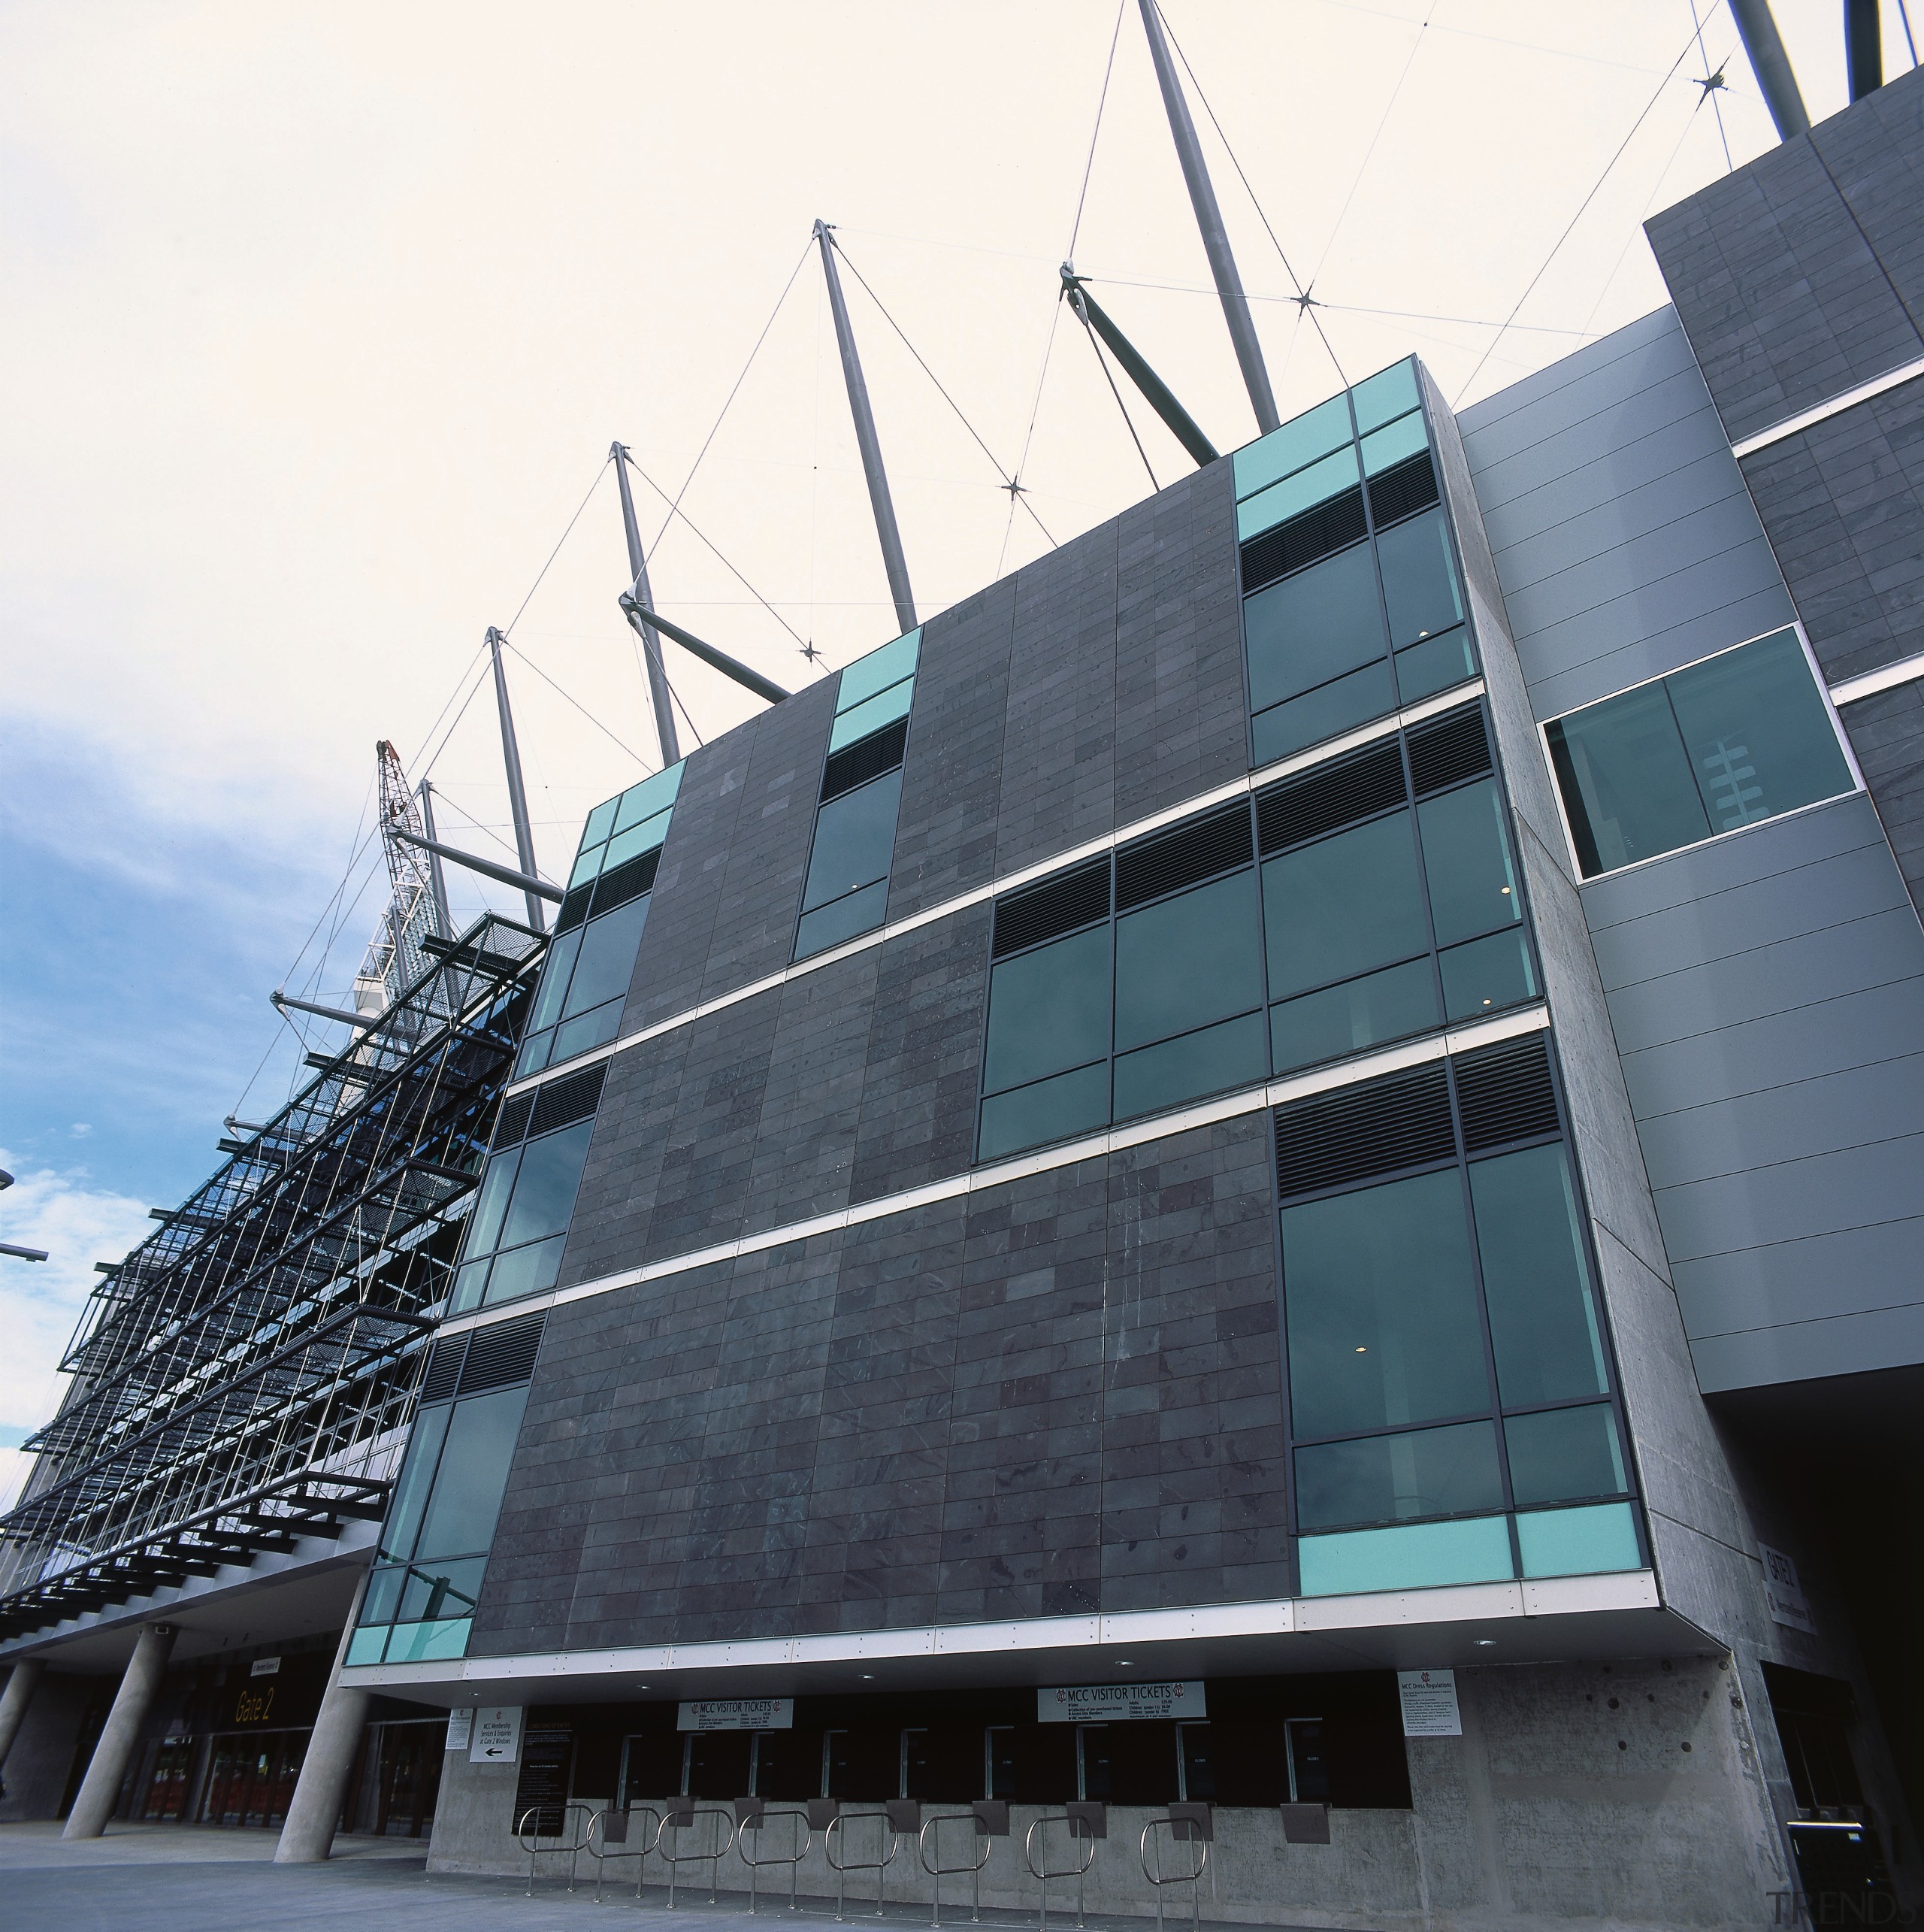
[(637, 839), (1419, 579), (1307, 629), (1447, 1472), (533, 1055), (1343, 905), (417, 1478), (1380, 1302), (473, 1473), (1051, 1109), (606, 962), (366, 1646), (1186, 960), (600, 823), (1565, 1455), (1049, 1009), (519, 1271), (854, 839), (1382, 397), (382, 1595), (1346, 701), (651, 796), (1625, 779), (438, 1591), (485, 1223), (423, 1642), (1389, 1005), (1543, 1322), (1466, 860), (1293, 495), (1382, 449), (878, 670), (555, 980), (544, 1191), (596, 1028), (1434, 665), (1411, 1556), (469, 1284), (1487, 975), (1230, 1054), (1301, 440), (1759, 736), (842, 918), (1580, 1542), (884, 708), (586, 867)]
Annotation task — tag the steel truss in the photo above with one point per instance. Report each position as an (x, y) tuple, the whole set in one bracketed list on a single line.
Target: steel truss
[(246, 1376)]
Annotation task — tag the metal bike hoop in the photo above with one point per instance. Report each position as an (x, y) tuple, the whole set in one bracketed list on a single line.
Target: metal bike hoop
[(1185, 1827), (531, 1841), (843, 1866), (752, 1814), (616, 1841), (1081, 1833), (680, 1817), (981, 1842)]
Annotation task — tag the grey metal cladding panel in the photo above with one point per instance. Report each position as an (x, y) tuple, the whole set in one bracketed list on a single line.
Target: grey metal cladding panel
[(1058, 752), (1841, 501), (1520, 399), (918, 1094), (760, 889), (945, 832), (1842, 1345), (1886, 732), (673, 958), (805, 1147), (1877, 158), (702, 1195), (1847, 1273), (1180, 721)]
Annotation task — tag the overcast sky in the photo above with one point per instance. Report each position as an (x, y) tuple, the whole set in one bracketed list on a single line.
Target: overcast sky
[(319, 321)]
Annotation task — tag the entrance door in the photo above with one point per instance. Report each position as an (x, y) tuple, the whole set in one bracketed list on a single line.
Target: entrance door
[(410, 1759), (166, 1786), (252, 1778)]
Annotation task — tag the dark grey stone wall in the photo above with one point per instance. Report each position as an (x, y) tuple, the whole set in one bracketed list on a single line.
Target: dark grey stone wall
[(1061, 1395), (1887, 733)]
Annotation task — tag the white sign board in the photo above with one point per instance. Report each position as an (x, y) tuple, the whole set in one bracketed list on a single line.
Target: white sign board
[(1430, 1703), (1788, 1604), (737, 1714), (460, 1730), (264, 1666), (1114, 1703), (496, 1735)]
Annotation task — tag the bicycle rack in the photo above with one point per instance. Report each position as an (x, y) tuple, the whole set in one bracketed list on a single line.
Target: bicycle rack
[(531, 1841), (753, 1815), (989, 1817), (614, 1821), (679, 1817), (898, 1815), (1187, 1825), (1087, 1821)]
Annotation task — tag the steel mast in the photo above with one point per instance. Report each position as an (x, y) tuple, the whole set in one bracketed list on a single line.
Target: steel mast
[(641, 596), (892, 561), (524, 836), (1209, 218)]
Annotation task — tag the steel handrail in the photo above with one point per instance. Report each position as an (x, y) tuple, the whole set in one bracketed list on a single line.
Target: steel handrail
[(1042, 1876), (530, 1843), (1182, 1831), (879, 1867), (939, 1873), (679, 1817), (756, 1820), (627, 1850)]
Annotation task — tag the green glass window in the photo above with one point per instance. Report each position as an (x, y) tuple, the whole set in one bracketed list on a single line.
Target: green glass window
[(1436, 663), (1419, 579), (1467, 860), (544, 1191), (1048, 1010), (1295, 494), (1209, 1061), (1188, 960), (1739, 738), (1045, 1111), (526, 1200), (1446, 1472), (1361, 1013), (1297, 443), (1324, 712), (1346, 903), (607, 954), (1312, 627), (410, 1493), (1565, 1455), (472, 1474), (854, 838), (1384, 449), (1386, 395)]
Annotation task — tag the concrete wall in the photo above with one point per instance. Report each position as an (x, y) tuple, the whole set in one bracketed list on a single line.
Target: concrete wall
[(42, 1761)]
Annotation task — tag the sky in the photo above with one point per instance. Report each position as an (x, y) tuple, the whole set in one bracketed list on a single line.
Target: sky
[(320, 321)]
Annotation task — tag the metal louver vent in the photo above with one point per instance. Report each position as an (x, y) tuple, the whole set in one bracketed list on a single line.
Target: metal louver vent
[(626, 881), (1401, 492), (859, 763), (1055, 906), (443, 1369), (512, 1124), (561, 1103), (1336, 794), (1184, 855), (1330, 526), (501, 1356), (1400, 1121), (1505, 1093), (1446, 750), (574, 909)]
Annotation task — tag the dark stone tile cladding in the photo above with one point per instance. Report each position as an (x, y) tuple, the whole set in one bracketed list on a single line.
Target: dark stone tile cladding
[(1801, 274), (1887, 733), (1062, 1395)]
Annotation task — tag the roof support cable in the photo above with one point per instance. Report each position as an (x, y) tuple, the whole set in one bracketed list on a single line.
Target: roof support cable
[(1178, 420)]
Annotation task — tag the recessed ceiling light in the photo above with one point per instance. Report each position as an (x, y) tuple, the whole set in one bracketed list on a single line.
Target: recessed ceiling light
[(1122, 1663), (1486, 1643), (868, 1676)]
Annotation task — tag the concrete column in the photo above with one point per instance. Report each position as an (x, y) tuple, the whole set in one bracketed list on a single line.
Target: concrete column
[(321, 1788), (100, 1787), (20, 1688)]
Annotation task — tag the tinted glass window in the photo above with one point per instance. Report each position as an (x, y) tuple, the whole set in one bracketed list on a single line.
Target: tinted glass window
[(1346, 1018), (417, 1477), (1450, 1472), (474, 1473), (1625, 780), (1381, 1308), (544, 1193), (484, 1224), (1343, 905), (1487, 975), (855, 837), (1323, 621), (1187, 961), (555, 980), (1565, 1455), (608, 949), (1466, 860), (1229, 1054), (1051, 1109), (1049, 1009), (1322, 713), (1419, 579)]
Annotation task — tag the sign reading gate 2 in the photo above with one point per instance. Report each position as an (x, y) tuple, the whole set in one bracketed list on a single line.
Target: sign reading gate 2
[(1111, 1703), (737, 1714)]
